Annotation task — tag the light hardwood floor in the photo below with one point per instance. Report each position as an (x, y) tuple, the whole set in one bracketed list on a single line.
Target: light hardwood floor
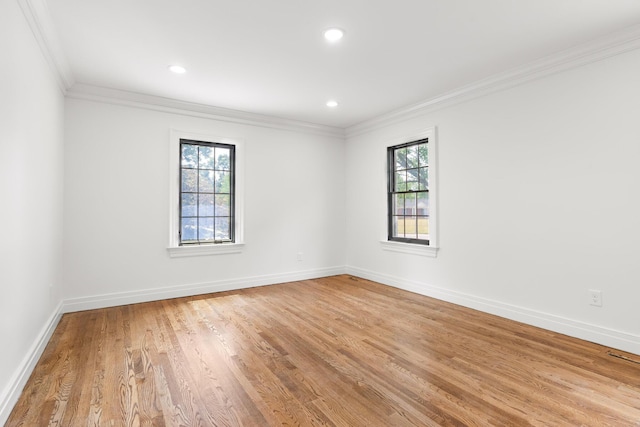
[(334, 351)]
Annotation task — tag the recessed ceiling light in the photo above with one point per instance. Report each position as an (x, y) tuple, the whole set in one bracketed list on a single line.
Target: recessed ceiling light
[(333, 34), (332, 103), (177, 69)]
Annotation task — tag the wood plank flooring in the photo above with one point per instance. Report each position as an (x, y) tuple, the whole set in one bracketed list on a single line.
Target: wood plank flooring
[(336, 351)]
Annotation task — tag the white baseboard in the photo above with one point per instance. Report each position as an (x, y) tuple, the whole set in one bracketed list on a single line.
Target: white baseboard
[(155, 294), (13, 389), (597, 334)]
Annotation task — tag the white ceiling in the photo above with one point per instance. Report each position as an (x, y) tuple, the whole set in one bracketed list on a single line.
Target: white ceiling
[(269, 57)]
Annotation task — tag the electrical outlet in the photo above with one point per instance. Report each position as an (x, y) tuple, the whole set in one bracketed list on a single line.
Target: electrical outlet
[(595, 297), (299, 256)]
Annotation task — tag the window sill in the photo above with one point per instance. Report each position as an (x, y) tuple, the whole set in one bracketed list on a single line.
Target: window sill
[(203, 250), (408, 248)]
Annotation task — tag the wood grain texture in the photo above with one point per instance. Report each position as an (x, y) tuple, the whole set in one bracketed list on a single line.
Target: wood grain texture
[(336, 351)]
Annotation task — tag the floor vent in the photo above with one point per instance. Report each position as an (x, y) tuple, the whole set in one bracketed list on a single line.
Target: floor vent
[(623, 357)]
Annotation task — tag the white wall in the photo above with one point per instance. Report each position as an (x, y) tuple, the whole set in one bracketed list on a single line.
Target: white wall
[(117, 206), (31, 178), (538, 202)]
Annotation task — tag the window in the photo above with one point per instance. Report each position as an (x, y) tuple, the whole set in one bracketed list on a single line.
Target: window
[(206, 189), (408, 192), (207, 172)]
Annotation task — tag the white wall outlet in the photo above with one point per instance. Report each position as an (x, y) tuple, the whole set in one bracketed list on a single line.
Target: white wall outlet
[(595, 297), (300, 256)]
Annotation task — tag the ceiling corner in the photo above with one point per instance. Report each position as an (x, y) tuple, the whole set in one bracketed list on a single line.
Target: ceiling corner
[(39, 19)]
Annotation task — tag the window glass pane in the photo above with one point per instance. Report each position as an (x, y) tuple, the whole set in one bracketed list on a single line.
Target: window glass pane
[(205, 207), (412, 186), (412, 157), (205, 229), (223, 205), (188, 229), (398, 226), (423, 154), (223, 159), (189, 180), (189, 204), (423, 227), (206, 157), (398, 204), (205, 184), (412, 180), (223, 183), (401, 158), (189, 156), (222, 228), (410, 227), (423, 203), (410, 204), (423, 178), (401, 181)]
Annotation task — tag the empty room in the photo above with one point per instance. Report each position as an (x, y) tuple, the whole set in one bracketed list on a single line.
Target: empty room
[(339, 213)]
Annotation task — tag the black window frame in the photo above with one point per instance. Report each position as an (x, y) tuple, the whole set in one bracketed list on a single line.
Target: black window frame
[(232, 193), (391, 191)]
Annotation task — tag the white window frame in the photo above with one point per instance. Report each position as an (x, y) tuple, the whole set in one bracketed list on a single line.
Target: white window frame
[(174, 249), (430, 250)]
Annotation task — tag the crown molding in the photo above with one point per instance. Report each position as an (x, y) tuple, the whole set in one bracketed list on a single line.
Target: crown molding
[(168, 105), (596, 50), (39, 19)]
